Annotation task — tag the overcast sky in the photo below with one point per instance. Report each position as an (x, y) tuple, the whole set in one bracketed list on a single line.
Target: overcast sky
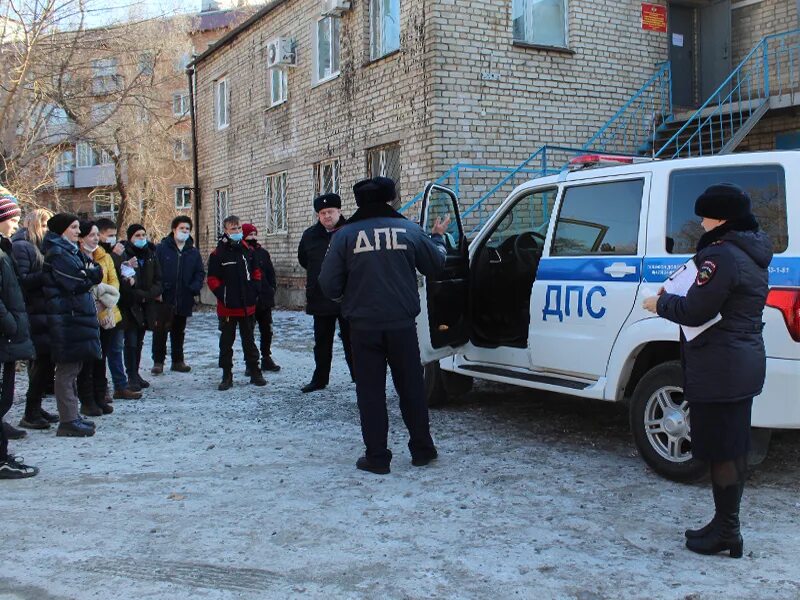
[(105, 11)]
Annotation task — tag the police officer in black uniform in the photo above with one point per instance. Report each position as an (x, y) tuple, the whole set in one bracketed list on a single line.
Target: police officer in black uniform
[(371, 268), (724, 367), (310, 253)]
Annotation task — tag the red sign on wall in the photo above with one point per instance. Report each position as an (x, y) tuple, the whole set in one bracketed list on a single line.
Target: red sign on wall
[(654, 17)]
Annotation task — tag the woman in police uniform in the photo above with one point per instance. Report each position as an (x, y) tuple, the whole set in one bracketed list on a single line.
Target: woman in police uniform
[(724, 366)]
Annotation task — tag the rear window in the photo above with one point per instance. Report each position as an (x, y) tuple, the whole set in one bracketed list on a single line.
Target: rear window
[(766, 185)]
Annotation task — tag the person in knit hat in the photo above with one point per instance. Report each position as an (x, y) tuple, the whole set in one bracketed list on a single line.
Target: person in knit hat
[(266, 295), (15, 341)]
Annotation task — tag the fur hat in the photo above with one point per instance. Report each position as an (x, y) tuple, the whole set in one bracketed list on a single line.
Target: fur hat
[(58, 223), (133, 229), (248, 228), (374, 191), (724, 201), (327, 201)]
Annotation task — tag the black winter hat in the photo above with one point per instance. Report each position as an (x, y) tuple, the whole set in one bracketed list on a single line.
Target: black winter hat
[(724, 201), (58, 223), (86, 228), (134, 228), (374, 191), (327, 201)]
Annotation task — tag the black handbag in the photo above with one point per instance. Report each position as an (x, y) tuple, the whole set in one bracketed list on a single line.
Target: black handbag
[(159, 316)]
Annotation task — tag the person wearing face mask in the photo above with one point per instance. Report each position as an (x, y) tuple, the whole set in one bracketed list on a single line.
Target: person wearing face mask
[(139, 295), (310, 254), (724, 367), (182, 277), (266, 296), (27, 250), (15, 341), (92, 384), (71, 316), (109, 256), (235, 279)]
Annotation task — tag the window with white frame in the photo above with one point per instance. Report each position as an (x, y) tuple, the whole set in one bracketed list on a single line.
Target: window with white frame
[(183, 197), (384, 161), (220, 208), (65, 161), (105, 157), (327, 45), (180, 104), (384, 24), (275, 188), (181, 149), (278, 86), (147, 63), (222, 103), (104, 76), (540, 22), (86, 155), (326, 177), (105, 203)]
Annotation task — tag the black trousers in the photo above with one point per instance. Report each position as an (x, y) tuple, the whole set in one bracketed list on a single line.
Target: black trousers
[(372, 351), (264, 321), (6, 400), (92, 381), (177, 334), (324, 331), (134, 342), (40, 379), (227, 328)]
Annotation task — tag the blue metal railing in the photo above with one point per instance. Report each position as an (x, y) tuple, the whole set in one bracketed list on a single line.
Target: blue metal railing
[(770, 69), (633, 127)]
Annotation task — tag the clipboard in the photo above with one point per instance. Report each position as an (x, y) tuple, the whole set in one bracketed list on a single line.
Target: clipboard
[(679, 283)]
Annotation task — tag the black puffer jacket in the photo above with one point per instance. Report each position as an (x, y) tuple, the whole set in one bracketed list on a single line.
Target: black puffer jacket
[(71, 310), (30, 261), (134, 299), (310, 253), (15, 332), (262, 259), (726, 362)]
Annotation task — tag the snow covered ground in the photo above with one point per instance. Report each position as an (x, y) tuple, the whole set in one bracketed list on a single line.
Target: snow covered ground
[(253, 493)]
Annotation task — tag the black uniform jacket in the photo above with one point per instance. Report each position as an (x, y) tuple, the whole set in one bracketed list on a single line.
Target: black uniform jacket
[(726, 362), (15, 333), (310, 253)]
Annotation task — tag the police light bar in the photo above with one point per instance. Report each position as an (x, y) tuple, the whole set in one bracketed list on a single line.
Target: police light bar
[(593, 160)]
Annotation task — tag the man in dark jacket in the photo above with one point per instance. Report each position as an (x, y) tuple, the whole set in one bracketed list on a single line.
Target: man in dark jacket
[(182, 277), (371, 268), (266, 295), (310, 253), (235, 279), (15, 343)]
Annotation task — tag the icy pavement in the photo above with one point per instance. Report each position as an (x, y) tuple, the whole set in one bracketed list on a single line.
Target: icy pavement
[(252, 493)]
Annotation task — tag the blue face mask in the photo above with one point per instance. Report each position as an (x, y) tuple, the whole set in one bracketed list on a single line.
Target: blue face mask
[(236, 237), (140, 243)]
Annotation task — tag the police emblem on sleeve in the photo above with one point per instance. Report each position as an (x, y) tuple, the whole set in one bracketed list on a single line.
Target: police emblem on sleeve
[(705, 272)]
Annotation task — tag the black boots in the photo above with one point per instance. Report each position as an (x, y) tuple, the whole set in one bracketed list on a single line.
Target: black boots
[(267, 364), (723, 532), (227, 381), (256, 377)]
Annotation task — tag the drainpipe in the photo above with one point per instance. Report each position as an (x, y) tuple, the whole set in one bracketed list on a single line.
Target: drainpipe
[(190, 72)]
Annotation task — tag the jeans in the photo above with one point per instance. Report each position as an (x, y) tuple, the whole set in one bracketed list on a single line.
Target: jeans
[(112, 341), (177, 334)]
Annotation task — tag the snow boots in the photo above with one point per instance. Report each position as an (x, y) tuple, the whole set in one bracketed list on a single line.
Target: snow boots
[(723, 532)]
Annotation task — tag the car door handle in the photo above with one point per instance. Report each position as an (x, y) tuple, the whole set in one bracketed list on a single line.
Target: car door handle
[(619, 270)]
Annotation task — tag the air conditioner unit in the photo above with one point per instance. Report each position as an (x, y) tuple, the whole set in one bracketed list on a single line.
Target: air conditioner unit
[(280, 53), (334, 8)]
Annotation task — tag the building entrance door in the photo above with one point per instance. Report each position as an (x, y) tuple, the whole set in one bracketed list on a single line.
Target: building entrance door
[(681, 21), (715, 46)]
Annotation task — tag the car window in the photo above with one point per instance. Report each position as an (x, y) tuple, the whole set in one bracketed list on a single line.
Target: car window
[(531, 213), (599, 218), (766, 185)]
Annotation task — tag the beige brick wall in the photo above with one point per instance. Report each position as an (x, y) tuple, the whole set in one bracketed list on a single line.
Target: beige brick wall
[(750, 23), (771, 125)]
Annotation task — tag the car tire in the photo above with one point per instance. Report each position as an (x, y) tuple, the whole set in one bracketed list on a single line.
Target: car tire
[(435, 394), (659, 420), (455, 384)]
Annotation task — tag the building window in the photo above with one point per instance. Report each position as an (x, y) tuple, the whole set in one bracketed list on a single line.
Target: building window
[(147, 63), (327, 48), (181, 149), (104, 76), (385, 162), (87, 155), (183, 197), (180, 104), (65, 161), (278, 86), (222, 98), (105, 157), (540, 22), (326, 177), (275, 187), (384, 22), (101, 112), (105, 203), (220, 208), (183, 62)]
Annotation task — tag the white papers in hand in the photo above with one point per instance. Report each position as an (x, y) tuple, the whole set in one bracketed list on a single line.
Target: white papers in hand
[(679, 283)]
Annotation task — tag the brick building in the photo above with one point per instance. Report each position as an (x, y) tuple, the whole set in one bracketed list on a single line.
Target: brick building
[(309, 96)]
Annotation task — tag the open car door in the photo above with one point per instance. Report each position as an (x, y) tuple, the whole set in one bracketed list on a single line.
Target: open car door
[(443, 323)]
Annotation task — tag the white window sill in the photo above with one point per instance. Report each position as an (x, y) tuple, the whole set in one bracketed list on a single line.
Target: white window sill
[(284, 232), (523, 44), (328, 79), (277, 104), (387, 54), (221, 127)]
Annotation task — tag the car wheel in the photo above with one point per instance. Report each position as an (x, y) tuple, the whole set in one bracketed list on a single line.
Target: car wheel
[(659, 418), (435, 394), (455, 384)]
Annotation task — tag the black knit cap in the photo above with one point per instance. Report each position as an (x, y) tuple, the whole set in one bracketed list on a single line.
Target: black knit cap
[(86, 228), (724, 201), (59, 222), (132, 229), (327, 201), (374, 191)]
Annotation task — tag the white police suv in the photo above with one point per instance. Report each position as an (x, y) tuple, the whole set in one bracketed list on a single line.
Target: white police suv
[(549, 293)]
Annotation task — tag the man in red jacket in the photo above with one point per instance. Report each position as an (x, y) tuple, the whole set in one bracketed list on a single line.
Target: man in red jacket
[(235, 279)]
